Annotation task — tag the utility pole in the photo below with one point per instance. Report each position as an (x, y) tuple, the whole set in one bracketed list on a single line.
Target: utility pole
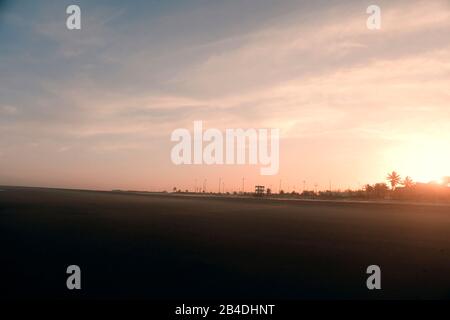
[(243, 185), (219, 183)]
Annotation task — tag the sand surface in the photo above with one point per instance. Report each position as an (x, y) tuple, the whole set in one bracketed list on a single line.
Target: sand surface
[(163, 246)]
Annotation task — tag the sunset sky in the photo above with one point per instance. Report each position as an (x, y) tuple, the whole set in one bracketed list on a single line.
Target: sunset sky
[(94, 108)]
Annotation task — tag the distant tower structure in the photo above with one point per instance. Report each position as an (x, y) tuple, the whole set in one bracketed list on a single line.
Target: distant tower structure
[(259, 190)]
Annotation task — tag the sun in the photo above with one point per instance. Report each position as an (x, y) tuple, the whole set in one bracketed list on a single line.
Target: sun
[(424, 161)]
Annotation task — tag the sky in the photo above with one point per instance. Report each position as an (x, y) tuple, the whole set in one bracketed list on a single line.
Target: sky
[(94, 108)]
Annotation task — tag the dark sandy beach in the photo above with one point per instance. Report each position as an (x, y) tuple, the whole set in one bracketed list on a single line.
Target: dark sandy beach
[(163, 246)]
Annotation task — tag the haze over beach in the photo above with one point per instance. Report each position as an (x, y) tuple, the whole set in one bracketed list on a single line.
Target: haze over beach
[(94, 108)]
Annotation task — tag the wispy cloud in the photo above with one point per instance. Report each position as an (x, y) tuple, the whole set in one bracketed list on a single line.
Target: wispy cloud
[(313, 70)]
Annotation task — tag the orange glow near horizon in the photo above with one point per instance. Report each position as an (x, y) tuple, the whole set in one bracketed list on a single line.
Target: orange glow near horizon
[(424, 161)]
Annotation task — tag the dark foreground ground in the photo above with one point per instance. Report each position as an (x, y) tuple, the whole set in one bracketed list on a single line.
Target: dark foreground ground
[(156, 246)]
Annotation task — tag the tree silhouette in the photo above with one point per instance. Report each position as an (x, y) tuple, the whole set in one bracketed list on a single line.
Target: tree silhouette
[(380, 190), (408, 182), (394, 178)]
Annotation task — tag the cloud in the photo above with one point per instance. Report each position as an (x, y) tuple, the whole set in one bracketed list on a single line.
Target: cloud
[(123, 86), (7, 110), (340, 40)]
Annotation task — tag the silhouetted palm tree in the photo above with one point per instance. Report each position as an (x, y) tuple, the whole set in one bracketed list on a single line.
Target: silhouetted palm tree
[(408, 182), (394, 178)]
